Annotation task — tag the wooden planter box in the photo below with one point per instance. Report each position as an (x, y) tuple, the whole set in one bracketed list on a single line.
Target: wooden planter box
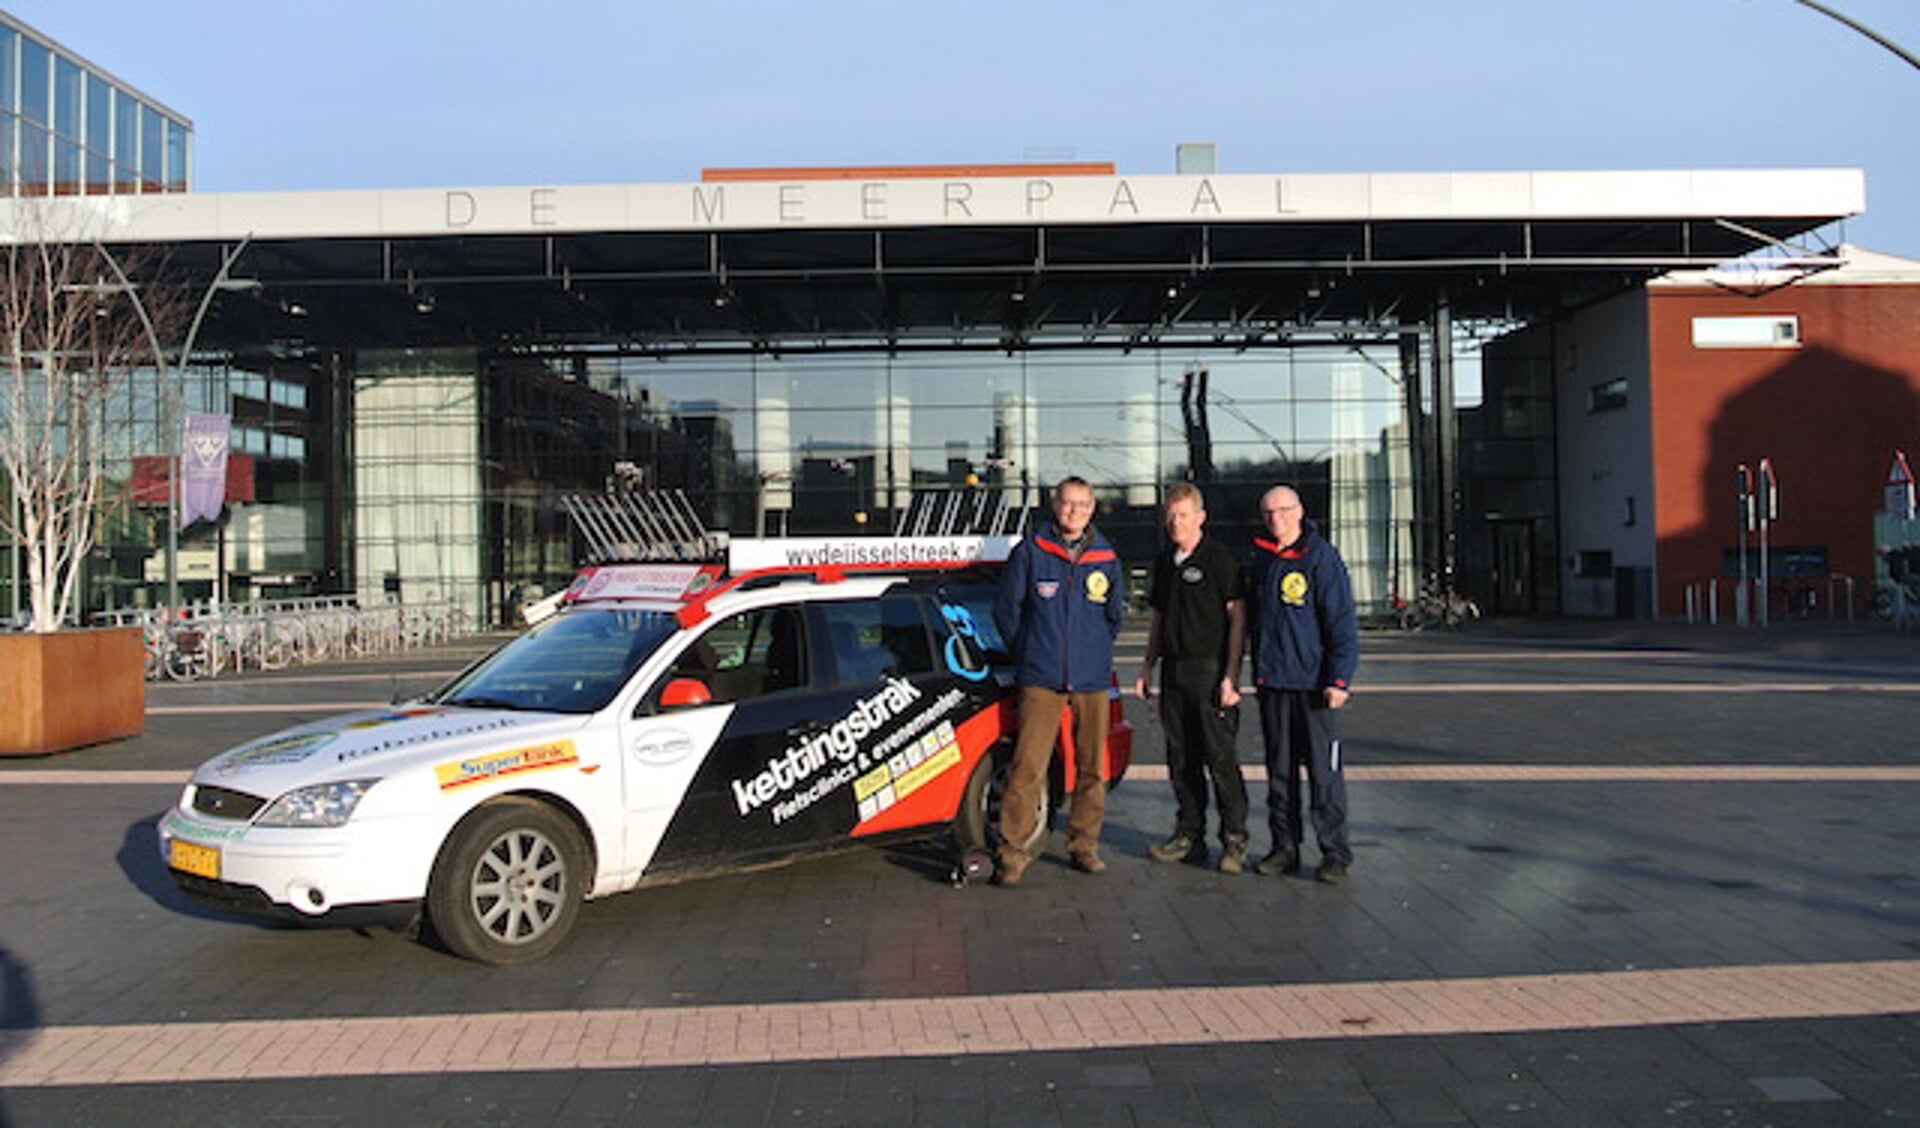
[(70, 689)]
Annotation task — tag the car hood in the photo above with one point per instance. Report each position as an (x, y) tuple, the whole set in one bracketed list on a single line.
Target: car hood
[(375, 743)]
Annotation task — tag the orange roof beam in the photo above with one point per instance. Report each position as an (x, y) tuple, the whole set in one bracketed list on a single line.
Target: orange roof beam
[(909, 172)]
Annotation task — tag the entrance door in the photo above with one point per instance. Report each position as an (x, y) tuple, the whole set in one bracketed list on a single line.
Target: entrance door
[(1513, 591)]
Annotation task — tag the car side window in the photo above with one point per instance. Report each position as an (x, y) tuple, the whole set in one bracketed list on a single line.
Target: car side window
[(874, 639), (973, 604), (749, 654), (740, 658)]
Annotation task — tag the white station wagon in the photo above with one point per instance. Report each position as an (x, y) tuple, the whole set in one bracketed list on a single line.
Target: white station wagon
[(671, 722)]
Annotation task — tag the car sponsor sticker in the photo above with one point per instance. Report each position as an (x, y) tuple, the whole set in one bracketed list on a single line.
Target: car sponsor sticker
[(176, 824), (396, 717), (907, 771), (666, 746), (847, 752), (426, 737), (965, 650), (275, 750), (494, 765)]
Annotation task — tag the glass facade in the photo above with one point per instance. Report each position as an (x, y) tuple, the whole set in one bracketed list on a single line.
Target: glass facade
[(278, 534), (416, 476), (838, 443), (438, 474), (67, 128)]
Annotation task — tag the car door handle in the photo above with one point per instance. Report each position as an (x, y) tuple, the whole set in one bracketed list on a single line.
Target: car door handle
[(805, 728)]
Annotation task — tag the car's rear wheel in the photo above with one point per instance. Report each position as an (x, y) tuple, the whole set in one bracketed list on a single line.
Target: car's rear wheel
[(978, 825), (508, 883)]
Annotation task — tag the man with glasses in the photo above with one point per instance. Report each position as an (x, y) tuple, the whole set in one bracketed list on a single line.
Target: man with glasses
[(1059, 608), (1306, 649)]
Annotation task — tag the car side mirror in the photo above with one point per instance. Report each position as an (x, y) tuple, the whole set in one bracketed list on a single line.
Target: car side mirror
[(681, 693)]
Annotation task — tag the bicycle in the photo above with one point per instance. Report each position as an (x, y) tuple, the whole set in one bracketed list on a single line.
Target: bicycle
[(1434, 608)]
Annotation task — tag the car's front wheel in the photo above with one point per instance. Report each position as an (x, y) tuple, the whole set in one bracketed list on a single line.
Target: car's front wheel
[(508, 883)]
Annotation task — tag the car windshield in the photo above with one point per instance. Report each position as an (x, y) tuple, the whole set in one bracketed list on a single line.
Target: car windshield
[(572, 663)]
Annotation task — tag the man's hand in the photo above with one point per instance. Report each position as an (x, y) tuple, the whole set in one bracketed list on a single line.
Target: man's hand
[(1141, 685), (1229, 693), (1336, 697)]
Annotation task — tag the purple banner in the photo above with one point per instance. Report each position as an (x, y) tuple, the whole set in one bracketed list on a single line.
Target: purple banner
[(203, 467)]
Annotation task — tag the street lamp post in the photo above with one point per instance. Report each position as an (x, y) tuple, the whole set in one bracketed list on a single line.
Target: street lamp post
[(222, 280), (1863, 29)]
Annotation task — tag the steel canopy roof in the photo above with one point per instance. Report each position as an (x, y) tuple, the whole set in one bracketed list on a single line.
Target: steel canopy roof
[(957, 262)]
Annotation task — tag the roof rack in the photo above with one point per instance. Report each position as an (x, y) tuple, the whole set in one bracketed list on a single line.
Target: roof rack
[(641, 525), (964, 512)]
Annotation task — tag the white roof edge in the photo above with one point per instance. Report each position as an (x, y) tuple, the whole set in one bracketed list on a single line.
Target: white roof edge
[(1807, 193)]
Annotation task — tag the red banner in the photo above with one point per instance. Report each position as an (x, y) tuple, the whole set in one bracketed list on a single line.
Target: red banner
[(151, 487)]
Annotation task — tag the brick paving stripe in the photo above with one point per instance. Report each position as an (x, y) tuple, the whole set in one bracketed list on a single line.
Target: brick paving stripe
[(508, 1042)]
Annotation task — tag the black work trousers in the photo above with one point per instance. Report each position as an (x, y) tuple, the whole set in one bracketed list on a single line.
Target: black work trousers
[(1200, 746), (1302, 733)]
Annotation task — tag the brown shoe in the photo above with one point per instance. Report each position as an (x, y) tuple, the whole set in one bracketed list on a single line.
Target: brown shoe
[(1089, 862), (1233, 857)]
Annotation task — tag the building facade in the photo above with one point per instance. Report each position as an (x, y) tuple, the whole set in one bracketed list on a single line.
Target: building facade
[(67, 127), (1666, 394), (416, 379)]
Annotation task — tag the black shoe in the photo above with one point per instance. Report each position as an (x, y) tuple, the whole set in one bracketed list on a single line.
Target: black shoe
[(1179, 848), (1283, 859), (1331, 873)]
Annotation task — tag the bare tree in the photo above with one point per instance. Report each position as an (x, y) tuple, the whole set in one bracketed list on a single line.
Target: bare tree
[(72, 340)]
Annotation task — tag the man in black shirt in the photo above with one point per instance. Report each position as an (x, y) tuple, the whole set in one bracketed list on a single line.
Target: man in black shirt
[(1197, 634)]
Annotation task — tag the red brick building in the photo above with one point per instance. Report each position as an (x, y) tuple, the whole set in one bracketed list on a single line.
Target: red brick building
[(1662, 395)]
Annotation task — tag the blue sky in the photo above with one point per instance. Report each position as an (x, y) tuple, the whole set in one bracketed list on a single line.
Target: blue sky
[(415, 93)]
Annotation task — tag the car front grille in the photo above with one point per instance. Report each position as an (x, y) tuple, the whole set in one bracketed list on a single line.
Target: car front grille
[(224, 803)]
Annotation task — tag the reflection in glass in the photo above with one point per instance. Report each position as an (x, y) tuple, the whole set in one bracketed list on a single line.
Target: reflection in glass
[(126, 142), (460, 460), (34, 160), (416, 471), (176, 157), (36, 75), (67, 82), (9, 40), (153, 150)]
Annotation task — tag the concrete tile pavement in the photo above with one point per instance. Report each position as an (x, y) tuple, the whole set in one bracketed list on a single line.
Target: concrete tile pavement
[(1505, 897)]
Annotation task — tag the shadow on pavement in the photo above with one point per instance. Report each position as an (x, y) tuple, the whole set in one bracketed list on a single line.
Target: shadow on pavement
[(19, 1013), (139, 859)]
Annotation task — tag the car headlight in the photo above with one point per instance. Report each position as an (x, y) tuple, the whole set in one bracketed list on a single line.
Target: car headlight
[(323, 804)]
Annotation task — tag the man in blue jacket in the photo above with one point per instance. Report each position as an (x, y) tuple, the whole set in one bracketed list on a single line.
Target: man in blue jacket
[(1306, 649), (1059, 608)]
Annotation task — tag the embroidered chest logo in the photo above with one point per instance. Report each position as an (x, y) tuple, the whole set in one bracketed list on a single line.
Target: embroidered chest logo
[(1293, 588), (1192, 574), (1097, 587)]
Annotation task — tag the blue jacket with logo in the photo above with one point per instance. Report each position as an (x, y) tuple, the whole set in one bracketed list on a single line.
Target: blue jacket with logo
[(1059, 615), (1306, 634)]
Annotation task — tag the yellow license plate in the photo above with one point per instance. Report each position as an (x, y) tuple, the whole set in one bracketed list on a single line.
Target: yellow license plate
[(188, 857)]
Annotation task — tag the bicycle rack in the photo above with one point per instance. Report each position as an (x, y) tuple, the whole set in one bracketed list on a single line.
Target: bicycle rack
[(640, 525), (968, 512)]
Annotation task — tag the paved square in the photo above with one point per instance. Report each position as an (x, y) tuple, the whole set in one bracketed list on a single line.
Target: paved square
[(1600, 880)]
